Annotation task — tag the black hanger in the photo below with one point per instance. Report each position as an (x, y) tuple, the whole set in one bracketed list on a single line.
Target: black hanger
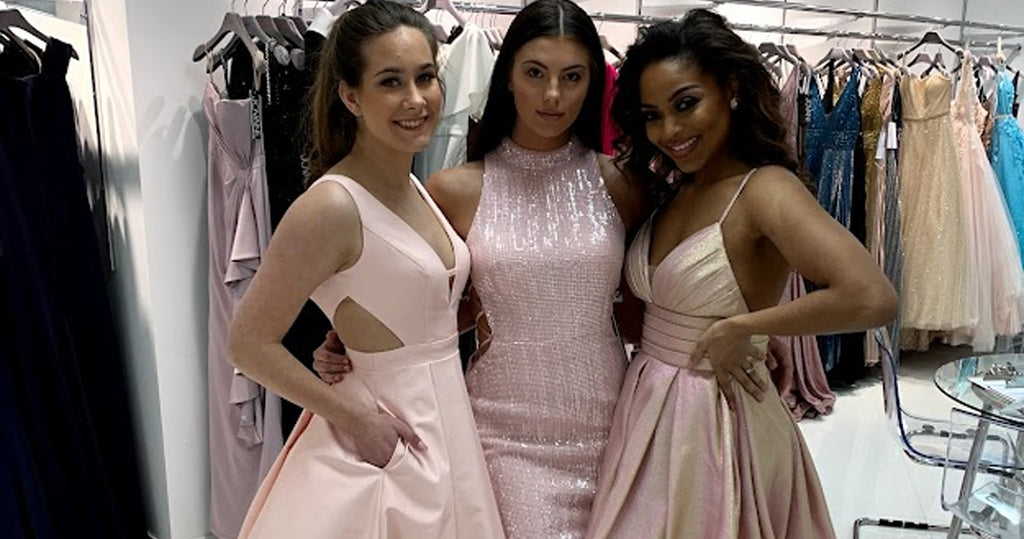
[(610, 48), (931, 38), (231, 25), (12, 18), (289, 31)]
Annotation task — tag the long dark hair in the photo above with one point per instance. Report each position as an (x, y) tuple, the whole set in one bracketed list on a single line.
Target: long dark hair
[(757, 134), (543, 18), (333, 126)]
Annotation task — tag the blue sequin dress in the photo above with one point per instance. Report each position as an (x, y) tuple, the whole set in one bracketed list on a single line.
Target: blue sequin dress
[(831, 144), (1007, 154)]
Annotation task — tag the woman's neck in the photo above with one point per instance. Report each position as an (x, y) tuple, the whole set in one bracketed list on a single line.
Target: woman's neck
[(717, 169), (380, 169), (526, 138)]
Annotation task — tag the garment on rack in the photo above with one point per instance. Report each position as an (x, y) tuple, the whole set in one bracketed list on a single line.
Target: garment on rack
[(466, 74), (890, 253), (1007, 153), (546, 239), (832, 138), (319, 487), (935, 270), (282, 97), (804, 388), (66, 424), (997, 280), (790, 108), (609, 131), (680, 462), (245, 419)]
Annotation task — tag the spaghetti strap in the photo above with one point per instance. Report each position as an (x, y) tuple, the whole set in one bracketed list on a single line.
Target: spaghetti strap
[(737, 195)]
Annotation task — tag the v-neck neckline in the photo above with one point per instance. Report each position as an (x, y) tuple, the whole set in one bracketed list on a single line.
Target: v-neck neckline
[(408, 228)]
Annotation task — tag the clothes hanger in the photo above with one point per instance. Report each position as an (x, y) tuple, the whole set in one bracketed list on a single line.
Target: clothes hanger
[(930, 38), (936, 63), (266, 22), (444, 5), (233, 25), (288, 30), (12, 18), (296, 16), (836, 54), (9, 38)]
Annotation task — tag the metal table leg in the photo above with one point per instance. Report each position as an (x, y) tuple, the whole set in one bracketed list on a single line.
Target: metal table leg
[(967, 485)]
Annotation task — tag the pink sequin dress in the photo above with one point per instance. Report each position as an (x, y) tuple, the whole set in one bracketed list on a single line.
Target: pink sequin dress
[(547, 246)]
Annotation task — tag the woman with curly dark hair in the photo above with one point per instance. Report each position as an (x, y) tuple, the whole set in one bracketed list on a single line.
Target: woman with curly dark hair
[(691, 455)]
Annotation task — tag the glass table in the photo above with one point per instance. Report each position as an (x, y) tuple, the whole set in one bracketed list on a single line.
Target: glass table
[(993, 387)]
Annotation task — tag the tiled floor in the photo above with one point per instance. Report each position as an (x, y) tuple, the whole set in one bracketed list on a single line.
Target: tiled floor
[(863, 469)]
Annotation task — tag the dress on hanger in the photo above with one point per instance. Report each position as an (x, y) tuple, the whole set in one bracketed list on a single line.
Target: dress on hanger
[(679, 462), (889, 251), (319, 487), (997, 274), (547, 245), (466, 73), (245, 419), (1007, 154), (832, 138), (789, 106), (936, 273)]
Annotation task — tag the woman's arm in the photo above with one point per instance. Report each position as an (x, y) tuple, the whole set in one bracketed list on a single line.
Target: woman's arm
[(853, 293)]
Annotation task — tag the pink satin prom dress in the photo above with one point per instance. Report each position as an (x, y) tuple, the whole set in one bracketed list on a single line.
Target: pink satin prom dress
[(319, 487), (679, 462)]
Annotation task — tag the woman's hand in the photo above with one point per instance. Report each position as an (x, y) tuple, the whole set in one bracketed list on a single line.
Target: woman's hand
[(330, 361), (732, 357), (377, 435)]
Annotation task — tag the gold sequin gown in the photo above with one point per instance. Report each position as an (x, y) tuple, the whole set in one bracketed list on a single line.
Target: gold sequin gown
[(547, 246), (935, 266)]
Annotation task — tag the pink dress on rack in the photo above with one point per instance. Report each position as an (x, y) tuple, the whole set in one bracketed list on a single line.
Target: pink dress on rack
[(679, 462), (997, 278), (319, 487), (547, 246)]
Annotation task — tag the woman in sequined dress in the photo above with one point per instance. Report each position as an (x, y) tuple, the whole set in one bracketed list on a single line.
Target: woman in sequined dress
[(711, 263), (546, 218)]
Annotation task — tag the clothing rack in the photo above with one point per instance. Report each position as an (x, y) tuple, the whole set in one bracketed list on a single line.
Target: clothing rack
[(769, 29), (1011, 31)]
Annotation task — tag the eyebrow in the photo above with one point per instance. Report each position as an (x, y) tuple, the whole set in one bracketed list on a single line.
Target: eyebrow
[(570, 68), (672, 97), (395, 70)]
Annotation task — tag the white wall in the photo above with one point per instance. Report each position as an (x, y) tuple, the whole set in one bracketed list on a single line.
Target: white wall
[(154, 137)]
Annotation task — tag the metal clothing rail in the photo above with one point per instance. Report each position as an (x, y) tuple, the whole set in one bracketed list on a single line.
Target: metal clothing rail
[(768, 29), (1015, 31)]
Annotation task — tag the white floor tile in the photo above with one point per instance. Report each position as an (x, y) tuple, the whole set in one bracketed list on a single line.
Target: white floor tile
[(863, 469)]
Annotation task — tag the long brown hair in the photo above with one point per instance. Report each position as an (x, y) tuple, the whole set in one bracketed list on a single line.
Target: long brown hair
[(543, 18), (757, 135), (332, 125)]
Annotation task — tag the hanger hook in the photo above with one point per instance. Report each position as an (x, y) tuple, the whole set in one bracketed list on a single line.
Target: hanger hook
[(263, 8), (232, 6)]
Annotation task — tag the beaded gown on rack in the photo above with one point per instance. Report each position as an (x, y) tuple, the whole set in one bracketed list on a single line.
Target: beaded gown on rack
[(547, 245)]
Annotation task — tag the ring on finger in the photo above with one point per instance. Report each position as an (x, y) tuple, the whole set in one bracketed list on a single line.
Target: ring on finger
[(748, 369)]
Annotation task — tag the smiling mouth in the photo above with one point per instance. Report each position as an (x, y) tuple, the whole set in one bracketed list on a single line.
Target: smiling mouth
[(684, 149), (412, 124)]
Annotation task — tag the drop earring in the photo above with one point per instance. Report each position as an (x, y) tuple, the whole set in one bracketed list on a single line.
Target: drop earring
[(734, 103)]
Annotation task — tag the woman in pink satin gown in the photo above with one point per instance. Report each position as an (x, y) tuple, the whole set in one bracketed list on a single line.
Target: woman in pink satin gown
[(683, 459), (546, 219), (392, 451)]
